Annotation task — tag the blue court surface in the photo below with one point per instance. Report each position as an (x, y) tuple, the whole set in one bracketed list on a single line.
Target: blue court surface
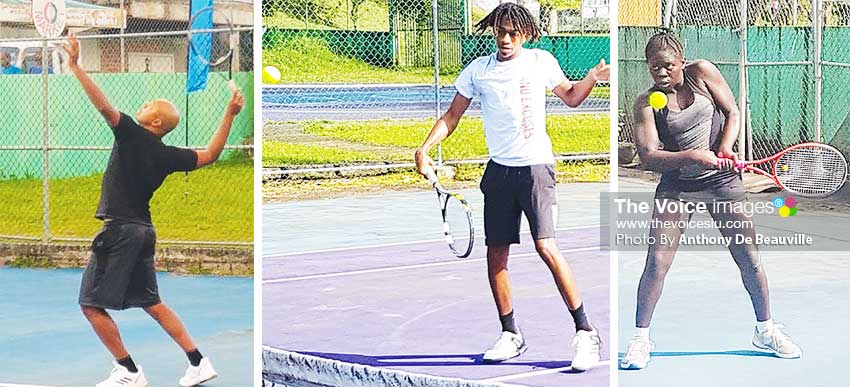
[(704, 322), (296, 102), (46, 340), (369, 280)]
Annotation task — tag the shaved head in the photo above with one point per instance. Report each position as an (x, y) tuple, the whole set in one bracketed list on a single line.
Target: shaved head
[(159, 116)]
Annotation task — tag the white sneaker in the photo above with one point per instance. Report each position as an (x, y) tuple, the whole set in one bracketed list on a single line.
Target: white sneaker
[(776, 341), (120, 377), (637, 355), (194, 376), (509, 345), (586, 345)]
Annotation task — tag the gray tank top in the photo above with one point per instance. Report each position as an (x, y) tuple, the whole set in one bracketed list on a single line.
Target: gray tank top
[(696, 127)]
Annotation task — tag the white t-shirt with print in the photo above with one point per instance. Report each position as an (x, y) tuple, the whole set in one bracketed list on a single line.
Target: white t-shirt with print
[(513, 103)]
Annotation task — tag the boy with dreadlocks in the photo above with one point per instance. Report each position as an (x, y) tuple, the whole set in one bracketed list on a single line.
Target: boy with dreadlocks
[(520, 176), (698, 129)]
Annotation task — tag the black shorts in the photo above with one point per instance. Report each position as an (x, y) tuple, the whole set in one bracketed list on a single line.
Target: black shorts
[(121, 273), (511, 191)]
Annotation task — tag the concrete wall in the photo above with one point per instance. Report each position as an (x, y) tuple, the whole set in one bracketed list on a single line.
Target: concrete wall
[(186, 260)]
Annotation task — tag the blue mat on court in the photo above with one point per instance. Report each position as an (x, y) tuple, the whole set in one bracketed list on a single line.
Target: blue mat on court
[(47, 341), (704, 322)]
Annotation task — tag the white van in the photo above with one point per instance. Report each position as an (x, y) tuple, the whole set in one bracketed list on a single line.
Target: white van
[(24, 56)]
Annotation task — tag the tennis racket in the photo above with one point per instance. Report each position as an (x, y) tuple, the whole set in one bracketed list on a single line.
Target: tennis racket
[(457, 218), (214, 47), (808, 169)]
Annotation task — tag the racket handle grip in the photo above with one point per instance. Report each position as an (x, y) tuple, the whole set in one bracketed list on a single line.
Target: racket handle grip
[(231, 84), (738, 165), (432, 176)]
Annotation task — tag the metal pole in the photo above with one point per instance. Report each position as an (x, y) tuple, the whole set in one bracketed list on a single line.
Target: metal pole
[(580, 15), (436, 28), (742, 86), (123, 25), (794, 12), (45, 153), (817, 24), (668, 13)]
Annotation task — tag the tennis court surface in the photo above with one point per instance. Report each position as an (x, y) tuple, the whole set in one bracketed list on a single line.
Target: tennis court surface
[(47, 341), (362, 290), (704, 322)]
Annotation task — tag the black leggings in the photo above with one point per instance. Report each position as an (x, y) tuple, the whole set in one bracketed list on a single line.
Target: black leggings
[(659, 258)]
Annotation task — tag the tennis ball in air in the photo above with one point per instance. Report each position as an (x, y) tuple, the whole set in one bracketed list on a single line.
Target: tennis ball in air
[(271, 74), (657, 100), (785, 211), (784, 168)]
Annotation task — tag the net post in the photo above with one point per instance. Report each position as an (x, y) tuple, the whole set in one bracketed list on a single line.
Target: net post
[(817, 25), (45, 148), (436, 30), (742, 83)]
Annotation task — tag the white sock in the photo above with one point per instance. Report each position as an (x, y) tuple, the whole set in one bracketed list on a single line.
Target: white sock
[(764, 326), (642, 332)]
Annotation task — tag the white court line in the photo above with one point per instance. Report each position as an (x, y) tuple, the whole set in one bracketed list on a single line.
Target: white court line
[(538, 373), (408, 267), (378, 246)]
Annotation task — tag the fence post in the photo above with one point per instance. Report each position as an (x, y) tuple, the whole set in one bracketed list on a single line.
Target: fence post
[(817, 24), (668, 13), (45, 148), (123, 24), (436, 28), (742, 86), (580, 15)]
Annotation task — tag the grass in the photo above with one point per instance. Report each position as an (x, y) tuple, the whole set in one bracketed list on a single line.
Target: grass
[(216, 204), (277, 153), (347, 142), (310, 60), (373, 16), (466, 176), (579, 133)]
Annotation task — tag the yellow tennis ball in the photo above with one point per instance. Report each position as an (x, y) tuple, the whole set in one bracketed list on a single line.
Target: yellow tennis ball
[(657, 100), (271, 75), (784, 211), (784, 168)]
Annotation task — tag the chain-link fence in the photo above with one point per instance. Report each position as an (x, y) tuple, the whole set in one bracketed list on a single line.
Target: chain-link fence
[(55, 145), (359, 90), (789, 58)]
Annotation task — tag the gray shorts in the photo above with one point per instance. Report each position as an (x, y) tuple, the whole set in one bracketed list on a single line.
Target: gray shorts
[(511, 191), (121, 273)]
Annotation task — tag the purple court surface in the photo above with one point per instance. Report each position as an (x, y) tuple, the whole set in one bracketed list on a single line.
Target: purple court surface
[(704, 322), (378, 286)]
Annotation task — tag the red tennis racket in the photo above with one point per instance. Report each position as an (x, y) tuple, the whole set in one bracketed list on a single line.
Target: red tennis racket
[(808, 169)]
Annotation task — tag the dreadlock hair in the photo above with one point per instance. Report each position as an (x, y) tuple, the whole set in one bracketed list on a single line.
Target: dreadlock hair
[(519, 17), (665, 40)]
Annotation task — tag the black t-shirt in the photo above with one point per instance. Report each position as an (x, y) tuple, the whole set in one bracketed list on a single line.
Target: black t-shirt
[(138, 164)]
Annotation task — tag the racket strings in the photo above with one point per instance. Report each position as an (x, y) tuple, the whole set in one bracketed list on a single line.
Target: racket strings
[(811, 170), (218, 40)]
